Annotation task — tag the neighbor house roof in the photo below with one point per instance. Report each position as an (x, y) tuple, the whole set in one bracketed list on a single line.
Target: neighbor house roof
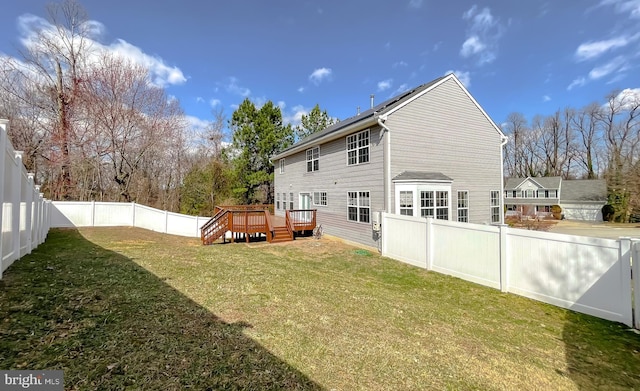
[(366, 118), (584, 190), (552, 182), (421, 176)]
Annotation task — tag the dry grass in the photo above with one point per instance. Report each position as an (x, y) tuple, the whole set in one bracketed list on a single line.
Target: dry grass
[(128, 308)]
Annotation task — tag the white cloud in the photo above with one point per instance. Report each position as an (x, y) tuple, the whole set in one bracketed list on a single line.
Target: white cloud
[(415, 3), (546, 98), (301, 89), (628, 98), (579, 82), (199, 99), (483, 33), (233, 88), (385, 84), (399, 64), (162, 74), (319, 75), (589, 50), (627, 7), (295, 116), (402, 88), (214, 102), (617, 64), (464, 77), (472, 46)]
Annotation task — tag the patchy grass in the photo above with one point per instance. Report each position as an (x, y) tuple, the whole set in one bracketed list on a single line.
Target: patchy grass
[(120, 308)]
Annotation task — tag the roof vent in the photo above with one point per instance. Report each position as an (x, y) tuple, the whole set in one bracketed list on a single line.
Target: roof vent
[(358, 110), (372, 96)]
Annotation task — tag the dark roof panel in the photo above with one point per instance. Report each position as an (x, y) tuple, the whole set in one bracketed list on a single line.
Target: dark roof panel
[(422, 176)]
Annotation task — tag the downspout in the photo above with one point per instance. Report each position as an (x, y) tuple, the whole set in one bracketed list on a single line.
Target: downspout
[(387, 167), (505, 139)]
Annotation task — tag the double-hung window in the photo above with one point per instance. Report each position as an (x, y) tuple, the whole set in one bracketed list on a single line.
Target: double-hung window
[(434, 204), (463, 206), (282, 166), (358, 206), (277, 201), (495, 206), (358, 148), (406, 203), (290, 201), (320, 198), (313, 159)]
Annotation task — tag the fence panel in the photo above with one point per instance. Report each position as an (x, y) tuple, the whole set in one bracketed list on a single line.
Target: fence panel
[(68, 214), (183, 225), (20, 201), (468, 251), (112, 214), (149, 218), (404, 238)]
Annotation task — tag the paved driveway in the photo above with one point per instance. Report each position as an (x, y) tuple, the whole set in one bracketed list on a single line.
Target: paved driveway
[(598, 230)]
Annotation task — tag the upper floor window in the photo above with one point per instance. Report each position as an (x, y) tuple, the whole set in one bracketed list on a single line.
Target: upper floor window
[(358, 148), (282, 166), (313, 159)]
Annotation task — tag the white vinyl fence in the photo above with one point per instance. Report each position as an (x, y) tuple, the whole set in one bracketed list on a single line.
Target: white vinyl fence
[(120, 214), (24, 213), (587, 275)]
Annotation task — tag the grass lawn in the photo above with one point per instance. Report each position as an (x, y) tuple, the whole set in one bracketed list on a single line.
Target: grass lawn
[(124, 308)]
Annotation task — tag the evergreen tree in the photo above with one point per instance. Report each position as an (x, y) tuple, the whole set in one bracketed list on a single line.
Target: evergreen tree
[(313, 122)]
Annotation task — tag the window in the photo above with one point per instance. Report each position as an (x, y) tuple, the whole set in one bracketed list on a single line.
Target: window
[(495, 206), (313, 159), (290, 201), (426, 204), (442, 205), (320, 198), (358, 206), (358, 148), (281, 166), (406, 203), (463, 206), (277, 201), (434, 203)]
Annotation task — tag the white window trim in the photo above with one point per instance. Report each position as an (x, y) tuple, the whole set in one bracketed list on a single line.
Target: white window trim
[(358, 148), (358, 206), (462, 208), (416, 188), (492, 206), (282, 166), (312, 159), (313, 198)]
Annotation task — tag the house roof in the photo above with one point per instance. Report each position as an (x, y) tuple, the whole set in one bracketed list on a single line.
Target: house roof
[(584, 190), (367, 118), (552, 182), (422, 176)]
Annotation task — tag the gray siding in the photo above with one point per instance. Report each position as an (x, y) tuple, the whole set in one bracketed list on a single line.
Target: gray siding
[(337, 178), (444, 131)]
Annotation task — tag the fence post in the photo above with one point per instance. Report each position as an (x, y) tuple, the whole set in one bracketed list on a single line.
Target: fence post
[(624, 257), (28, 210), (635, 270), (133, 214), (504, 259), (429, 248), (15, 201), (3, 150), (93, 213)]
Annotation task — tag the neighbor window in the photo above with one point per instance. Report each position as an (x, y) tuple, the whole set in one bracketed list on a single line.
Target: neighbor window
[(320, 198), (358, 206), (281, 166), (406, 203), (358, 148), (495, 206), (463, 206), (313, 159)]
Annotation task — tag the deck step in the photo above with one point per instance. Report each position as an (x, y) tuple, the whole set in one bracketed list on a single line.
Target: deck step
[(281, 234)]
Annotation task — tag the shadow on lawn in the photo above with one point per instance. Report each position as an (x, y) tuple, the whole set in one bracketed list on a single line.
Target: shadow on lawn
[(110, 324)]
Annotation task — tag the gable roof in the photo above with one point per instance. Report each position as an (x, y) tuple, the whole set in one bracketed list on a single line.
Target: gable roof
[(551, 182), (584, 190), (370, 117)]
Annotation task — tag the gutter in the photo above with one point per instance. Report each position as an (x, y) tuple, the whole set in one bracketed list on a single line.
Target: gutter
[(505, 139), (387, 167)]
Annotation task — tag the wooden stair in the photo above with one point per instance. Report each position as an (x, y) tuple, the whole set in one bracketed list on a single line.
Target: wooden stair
[(215, 228), (281, 234)]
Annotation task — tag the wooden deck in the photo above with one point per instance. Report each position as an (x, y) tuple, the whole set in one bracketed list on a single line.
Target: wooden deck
[(254, 221)]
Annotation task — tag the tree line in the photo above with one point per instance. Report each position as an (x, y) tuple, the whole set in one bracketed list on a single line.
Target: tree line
[(94, 126), (597, 141)]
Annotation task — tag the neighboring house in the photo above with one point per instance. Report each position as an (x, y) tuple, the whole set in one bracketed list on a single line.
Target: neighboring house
[(431, 152), (579, 199)]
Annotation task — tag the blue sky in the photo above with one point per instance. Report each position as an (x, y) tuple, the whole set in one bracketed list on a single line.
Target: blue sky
[(532, 57)]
